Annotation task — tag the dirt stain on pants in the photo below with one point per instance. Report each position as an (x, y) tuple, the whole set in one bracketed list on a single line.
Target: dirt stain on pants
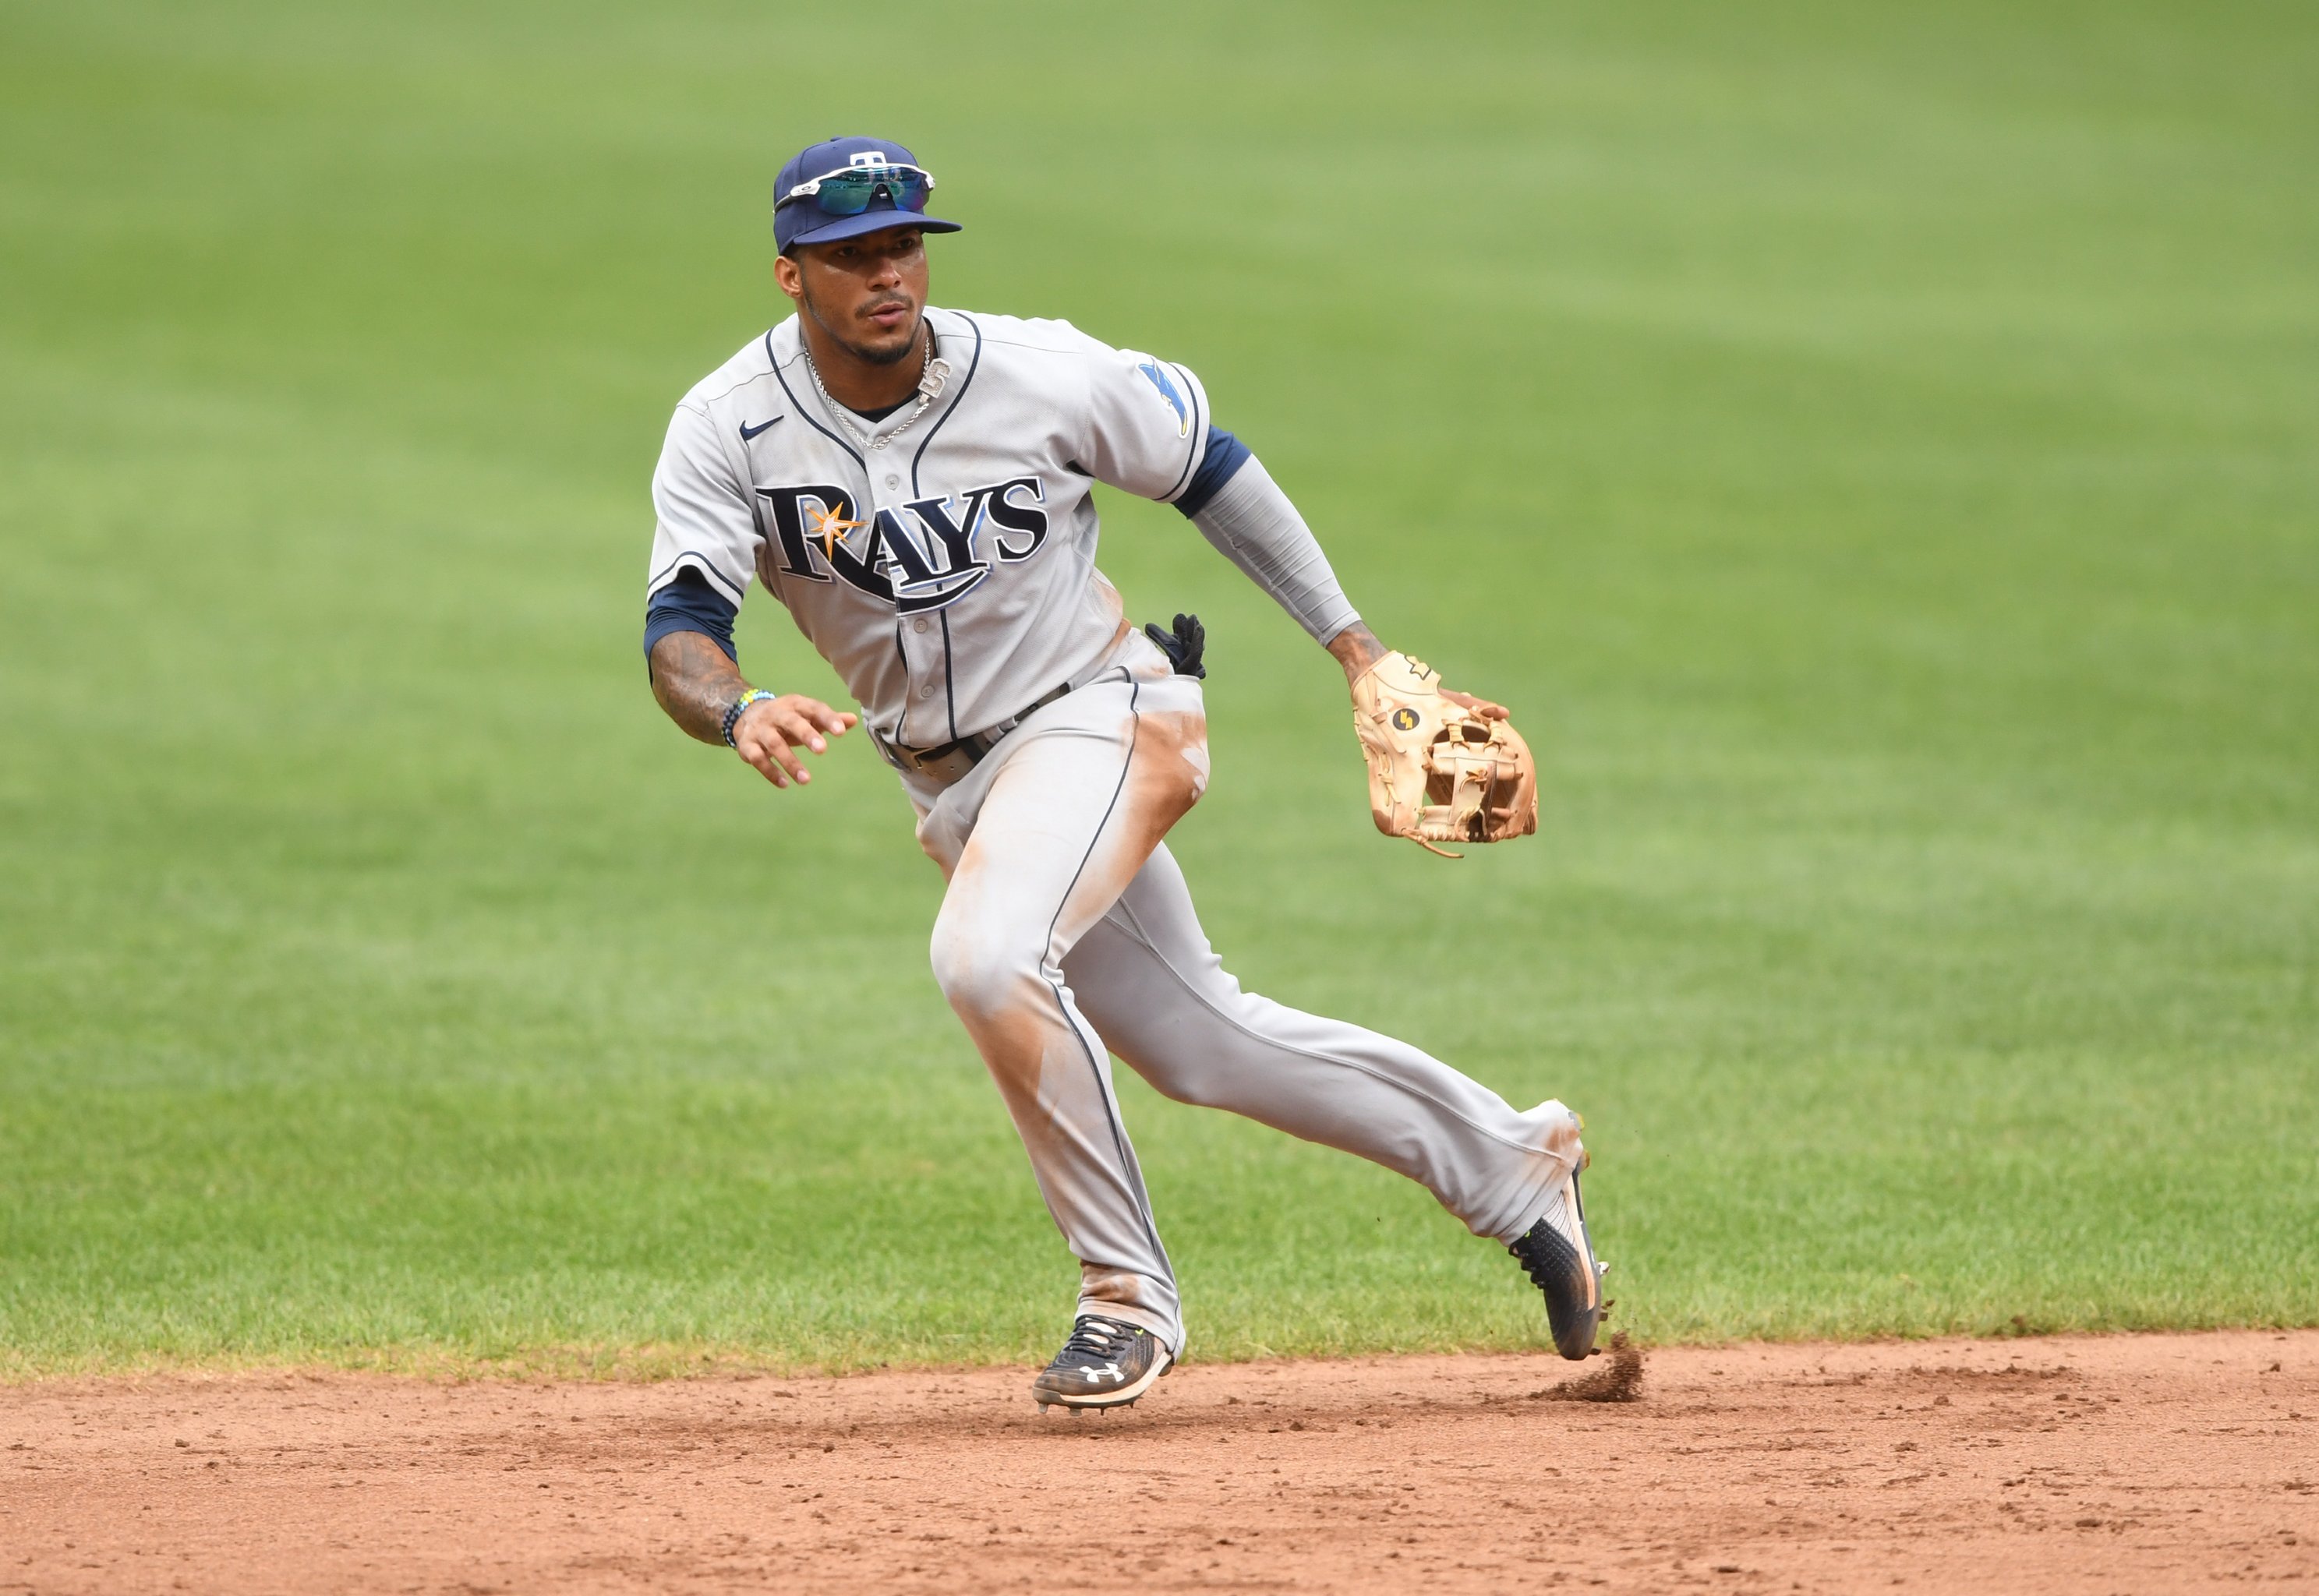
[(1068, 935)]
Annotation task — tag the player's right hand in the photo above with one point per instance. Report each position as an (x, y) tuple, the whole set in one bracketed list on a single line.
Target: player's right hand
[(770, 730)]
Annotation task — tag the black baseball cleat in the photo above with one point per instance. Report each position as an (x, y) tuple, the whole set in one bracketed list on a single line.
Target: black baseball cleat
[(1108, 1363), (1559, 1259)]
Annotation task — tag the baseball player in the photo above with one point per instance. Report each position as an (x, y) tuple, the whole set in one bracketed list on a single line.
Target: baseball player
[(915, 484)]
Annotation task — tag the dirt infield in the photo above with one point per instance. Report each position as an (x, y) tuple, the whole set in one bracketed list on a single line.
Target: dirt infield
[(2140, 1464)]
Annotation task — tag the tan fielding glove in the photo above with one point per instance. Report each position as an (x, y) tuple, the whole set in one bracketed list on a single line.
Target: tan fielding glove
[(1438, 771)]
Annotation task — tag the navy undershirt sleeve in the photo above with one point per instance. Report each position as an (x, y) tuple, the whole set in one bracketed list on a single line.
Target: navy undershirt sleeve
[(688, 604), (1225, 456)]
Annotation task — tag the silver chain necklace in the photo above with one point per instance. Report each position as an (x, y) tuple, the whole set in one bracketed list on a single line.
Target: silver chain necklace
[(933, 373)]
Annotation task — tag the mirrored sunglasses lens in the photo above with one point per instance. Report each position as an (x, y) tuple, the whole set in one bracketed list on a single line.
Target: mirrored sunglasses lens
[(850, 194)]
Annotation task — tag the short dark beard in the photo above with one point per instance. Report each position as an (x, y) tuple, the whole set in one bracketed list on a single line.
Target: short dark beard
[(868, 357)]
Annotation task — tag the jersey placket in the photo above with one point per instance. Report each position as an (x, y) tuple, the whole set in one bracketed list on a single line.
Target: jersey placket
[(920, 641)]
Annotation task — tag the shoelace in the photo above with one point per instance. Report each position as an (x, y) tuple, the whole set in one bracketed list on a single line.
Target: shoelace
[(1096, 1338)]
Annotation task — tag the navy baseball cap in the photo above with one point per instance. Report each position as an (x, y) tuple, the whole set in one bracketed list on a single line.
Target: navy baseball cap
[(851, 186)]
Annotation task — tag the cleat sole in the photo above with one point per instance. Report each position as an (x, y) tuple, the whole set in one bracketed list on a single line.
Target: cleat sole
[(1565, 1269)]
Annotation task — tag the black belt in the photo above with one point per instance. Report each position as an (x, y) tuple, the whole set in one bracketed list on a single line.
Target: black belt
[(949, 761)]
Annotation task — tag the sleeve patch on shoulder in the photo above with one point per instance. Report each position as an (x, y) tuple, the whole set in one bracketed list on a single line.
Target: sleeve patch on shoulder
[(1166, 384)]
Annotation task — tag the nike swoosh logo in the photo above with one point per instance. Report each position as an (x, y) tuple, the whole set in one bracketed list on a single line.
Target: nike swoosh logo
[(748, 432)]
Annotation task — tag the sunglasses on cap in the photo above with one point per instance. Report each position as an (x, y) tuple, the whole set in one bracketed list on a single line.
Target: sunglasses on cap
[(848, 191)]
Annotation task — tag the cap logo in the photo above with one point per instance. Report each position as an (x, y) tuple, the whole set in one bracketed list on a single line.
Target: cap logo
[(869, 158)]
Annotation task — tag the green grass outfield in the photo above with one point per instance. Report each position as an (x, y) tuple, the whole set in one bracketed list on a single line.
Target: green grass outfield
[(1875, 449)]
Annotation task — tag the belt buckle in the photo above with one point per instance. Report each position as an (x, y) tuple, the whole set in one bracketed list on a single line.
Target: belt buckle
[(950, 766), (943, 769), (956, 759)]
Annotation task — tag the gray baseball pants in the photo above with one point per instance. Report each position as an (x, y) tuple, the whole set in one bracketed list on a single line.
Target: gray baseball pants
[(1068, 935)]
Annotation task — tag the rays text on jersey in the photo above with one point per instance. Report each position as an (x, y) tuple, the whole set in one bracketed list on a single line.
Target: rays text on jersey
[(925, 559)]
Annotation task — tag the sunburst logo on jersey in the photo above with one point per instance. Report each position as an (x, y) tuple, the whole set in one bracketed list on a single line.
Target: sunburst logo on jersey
[(829, 527)]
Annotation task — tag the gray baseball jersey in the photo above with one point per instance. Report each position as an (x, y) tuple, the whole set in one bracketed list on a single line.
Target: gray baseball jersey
[(943, 559)]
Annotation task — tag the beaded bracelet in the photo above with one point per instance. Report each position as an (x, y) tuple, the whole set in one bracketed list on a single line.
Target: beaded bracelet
[(740, 707)]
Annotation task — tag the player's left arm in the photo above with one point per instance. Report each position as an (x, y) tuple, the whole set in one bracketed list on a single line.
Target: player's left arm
[(1149, 431), (1238, 507), (1411, 735)]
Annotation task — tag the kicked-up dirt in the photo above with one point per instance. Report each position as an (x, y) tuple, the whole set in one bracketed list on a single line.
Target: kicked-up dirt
[(2095, 1464)]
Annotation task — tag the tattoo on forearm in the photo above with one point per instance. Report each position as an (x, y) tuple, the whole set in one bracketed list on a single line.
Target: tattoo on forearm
[(1357, 648), (696, 683)]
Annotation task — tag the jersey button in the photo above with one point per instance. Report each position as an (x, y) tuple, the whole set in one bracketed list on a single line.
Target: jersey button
[(892, 481), (918, 625), (926, 691)]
